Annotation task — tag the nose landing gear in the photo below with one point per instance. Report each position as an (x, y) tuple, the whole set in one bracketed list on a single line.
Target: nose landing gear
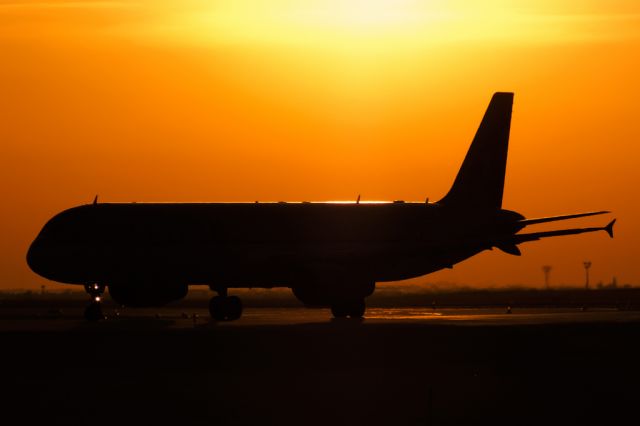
[(349, 308), (93, 311), (224, 307)]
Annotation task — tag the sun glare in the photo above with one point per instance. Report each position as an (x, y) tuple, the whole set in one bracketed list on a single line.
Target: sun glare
[(372, 24), (294, 22), (362, 15)]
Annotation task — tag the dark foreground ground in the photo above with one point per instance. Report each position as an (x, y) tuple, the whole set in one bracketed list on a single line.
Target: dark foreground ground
[(295, 367)]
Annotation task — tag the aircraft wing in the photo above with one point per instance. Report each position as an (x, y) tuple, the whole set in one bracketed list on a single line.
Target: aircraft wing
[(510, 244)]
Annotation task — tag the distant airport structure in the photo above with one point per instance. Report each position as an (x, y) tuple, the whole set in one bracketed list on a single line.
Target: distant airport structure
[(329, 254), (546, 269), (587, 266)]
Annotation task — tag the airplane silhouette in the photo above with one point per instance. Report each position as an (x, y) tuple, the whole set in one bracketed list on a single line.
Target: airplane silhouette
[(329, 254)]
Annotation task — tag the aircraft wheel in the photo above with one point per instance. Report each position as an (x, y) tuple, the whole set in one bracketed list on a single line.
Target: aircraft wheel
[(225, 308), (340, 310), (234, 308), (357, 308), (350, 308), (93, 312), (217, 309)]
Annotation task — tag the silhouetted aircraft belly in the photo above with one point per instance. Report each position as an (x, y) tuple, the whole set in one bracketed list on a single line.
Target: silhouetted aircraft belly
[(330, 254)]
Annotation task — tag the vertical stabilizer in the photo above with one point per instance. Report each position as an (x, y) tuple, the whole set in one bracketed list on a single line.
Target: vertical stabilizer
[(480, 181)]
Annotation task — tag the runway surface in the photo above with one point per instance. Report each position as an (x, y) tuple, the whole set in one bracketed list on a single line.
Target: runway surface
[(408, 366), (175, 318)]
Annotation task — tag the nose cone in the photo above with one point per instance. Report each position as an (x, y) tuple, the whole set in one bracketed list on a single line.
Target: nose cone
[(35, 257)]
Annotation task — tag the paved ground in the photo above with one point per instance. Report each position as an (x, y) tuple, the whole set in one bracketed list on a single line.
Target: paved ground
[(297, 366), (176, 318)]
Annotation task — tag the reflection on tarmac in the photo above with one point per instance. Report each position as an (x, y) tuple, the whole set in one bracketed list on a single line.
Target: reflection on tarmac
[(177, 318), (450, 316)]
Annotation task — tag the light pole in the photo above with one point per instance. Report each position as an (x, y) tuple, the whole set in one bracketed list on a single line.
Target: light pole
[(587, 265), (547, 270)]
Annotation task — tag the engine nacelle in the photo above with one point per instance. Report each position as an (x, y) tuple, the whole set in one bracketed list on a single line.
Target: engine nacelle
[(311, 297), (147, 295), (320, 295)]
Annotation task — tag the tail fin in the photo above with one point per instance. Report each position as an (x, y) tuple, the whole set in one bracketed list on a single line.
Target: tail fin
[(480, 181)]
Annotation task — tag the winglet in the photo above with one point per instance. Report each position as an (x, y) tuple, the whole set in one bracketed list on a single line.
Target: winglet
[(95, 200), (609, 228)]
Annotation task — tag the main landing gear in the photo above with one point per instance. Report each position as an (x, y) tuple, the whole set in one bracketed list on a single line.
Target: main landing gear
[(348, 308), (223, 307), (93, 311)]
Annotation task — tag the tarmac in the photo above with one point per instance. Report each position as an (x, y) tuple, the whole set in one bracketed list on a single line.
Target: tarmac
[(56, 319), (285, 366)]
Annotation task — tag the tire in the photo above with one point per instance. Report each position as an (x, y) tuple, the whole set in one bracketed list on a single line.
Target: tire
[(225, 308), (340, 310), (93, 312), (233, 308), (349, 308), (357, 308), (217, 308)]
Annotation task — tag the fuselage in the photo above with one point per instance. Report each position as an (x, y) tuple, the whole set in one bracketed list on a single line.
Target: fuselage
[(259, 244)]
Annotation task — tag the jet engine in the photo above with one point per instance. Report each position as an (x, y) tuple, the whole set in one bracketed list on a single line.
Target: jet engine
[(325, 294), (147, 295), (312, 298)]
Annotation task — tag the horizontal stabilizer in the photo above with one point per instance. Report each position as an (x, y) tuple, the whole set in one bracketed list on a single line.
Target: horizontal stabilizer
[(555, 218), (522, 238)]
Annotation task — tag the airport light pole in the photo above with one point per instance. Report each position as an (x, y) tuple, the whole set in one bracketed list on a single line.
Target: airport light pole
[(547, 270), (587, 265)]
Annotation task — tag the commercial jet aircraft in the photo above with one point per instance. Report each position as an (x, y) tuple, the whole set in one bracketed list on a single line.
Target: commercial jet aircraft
[(329, 254)]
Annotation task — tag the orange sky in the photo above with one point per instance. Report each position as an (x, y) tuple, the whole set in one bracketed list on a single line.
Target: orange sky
[(242, 100)]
